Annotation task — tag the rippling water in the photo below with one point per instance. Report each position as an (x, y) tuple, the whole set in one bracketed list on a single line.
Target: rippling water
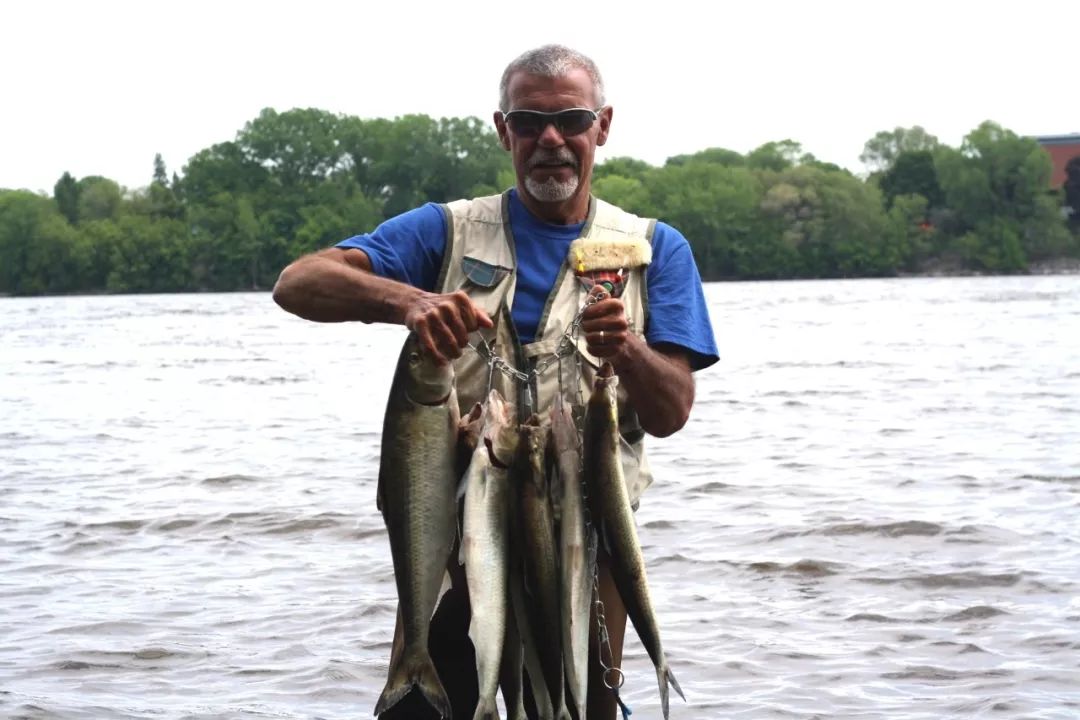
[(872, 513)]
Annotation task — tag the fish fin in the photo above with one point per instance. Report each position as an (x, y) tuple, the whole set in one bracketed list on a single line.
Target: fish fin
[(533, 670), (447, 583), (511, 676), (462, 484), (590, 549), (555, 482), (576, 706), (661, 680), (603, 539), (416, 671), (535, 678)]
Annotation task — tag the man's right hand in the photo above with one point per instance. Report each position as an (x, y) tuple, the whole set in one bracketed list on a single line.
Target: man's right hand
[(442, 323)]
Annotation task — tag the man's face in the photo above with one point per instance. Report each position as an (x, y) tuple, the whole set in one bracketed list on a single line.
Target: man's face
[(553, 169)]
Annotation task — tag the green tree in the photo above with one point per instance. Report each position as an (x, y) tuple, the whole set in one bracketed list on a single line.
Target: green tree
[(224, 167), (35, 245), (912, 238), (775, 155), (471, 160), (327, 224), (298, 147), (718, 156), (95, 249), (912, 173), (414, 159), (66, 195), (629, 193), (161, 177), (881, 151), (834, 221), (148, 255), (626, 167), (159, 199), (99, 198), (996, 186), (1072, 192), (716, 208)]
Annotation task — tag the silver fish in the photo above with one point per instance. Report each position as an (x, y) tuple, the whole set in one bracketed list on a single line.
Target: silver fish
[(577, 552), (609, 506), (417, 499), (540, 558), (530, 658), (485, 544), (510, 673)]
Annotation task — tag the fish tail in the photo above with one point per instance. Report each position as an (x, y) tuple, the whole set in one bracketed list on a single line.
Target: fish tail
[(416, 671), (576, 709), (663, 677), (675, 684), (486, 710)]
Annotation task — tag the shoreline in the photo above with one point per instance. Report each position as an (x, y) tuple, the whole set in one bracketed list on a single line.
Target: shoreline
[(1058, 266)]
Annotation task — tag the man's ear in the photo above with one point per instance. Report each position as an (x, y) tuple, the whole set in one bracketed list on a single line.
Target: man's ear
[(605, 125), (500, 127)]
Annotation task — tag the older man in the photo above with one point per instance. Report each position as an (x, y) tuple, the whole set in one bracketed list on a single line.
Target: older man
[(511, 266)]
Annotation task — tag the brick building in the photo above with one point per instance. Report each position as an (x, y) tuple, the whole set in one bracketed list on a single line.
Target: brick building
[(1061, 148)]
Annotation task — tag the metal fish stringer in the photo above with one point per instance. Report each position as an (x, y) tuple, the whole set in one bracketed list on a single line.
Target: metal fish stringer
[(613, 676)]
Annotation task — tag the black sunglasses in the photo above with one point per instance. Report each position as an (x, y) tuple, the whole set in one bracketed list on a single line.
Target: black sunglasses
[(531, 123)]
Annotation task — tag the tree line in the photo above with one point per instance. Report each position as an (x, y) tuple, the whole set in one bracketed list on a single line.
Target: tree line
[(301, 180)]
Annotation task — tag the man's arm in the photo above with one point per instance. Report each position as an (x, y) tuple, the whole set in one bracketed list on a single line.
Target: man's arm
[(659, 383), (658, 379), (337, 285)]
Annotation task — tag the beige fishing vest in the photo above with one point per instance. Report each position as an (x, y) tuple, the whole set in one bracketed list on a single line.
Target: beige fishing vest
[(480, 259)]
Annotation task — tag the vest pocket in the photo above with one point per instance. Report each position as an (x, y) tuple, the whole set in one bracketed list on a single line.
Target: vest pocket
[(483, 274)]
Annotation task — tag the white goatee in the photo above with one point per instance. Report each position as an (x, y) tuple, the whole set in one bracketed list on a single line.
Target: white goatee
[(552, 190)]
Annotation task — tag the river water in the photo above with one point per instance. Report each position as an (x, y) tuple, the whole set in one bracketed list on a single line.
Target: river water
[(873, 512)]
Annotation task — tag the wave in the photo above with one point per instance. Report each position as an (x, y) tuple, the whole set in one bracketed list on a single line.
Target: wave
[(896, 529), (976, 612), (949, 580), (931, 673), (809, 568)]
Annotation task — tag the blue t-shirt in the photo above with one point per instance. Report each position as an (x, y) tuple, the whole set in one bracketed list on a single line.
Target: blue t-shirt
[(409, 248)]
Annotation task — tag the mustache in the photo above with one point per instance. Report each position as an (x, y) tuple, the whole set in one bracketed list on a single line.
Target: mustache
[(552, 156)]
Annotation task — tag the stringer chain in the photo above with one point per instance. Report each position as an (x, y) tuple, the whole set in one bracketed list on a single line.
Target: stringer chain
[(565, 348)]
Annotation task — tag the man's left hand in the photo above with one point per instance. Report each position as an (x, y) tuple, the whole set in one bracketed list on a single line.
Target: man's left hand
[(604, 325)]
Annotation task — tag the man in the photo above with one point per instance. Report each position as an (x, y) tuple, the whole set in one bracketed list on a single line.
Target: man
[(499, 266)]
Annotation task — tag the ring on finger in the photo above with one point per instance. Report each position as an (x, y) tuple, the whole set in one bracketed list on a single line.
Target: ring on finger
[(601, 337)]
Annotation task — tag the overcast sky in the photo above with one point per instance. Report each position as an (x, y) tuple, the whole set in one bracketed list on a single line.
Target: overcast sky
[(98, 87)]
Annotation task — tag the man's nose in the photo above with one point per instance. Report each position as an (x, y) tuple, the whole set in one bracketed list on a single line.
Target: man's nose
[(550, 136)]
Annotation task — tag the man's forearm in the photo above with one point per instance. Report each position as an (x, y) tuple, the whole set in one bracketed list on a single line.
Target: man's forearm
[(324, 288), (337, 285), (660, 385)]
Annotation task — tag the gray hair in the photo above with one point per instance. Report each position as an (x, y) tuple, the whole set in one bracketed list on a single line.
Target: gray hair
[(550, 61)]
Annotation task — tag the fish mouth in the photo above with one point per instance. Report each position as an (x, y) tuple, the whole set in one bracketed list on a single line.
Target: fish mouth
[(428, 402), (606, 371), (493, 457)]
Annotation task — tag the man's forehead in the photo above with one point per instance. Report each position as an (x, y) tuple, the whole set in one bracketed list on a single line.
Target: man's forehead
[(575, 85)]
